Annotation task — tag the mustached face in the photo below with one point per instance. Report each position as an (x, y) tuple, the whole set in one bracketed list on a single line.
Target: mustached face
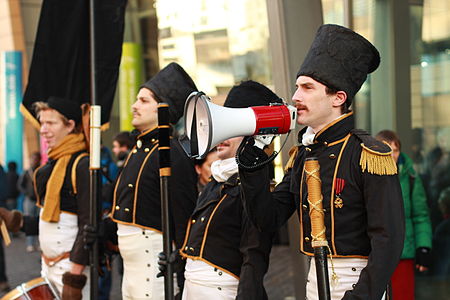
[(228, 148), (145, 110), (315, 108)]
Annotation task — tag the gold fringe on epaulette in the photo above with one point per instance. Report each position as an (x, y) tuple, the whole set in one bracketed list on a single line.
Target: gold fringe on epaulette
[(377, 162), (292, 155)]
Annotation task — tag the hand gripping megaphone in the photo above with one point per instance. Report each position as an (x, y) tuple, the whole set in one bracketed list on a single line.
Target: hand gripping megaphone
[(208, 124)]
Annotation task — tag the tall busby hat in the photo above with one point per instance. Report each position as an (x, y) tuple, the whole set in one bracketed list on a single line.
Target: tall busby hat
[(172, 85), (250, 93), (68, 108), (340, 59)]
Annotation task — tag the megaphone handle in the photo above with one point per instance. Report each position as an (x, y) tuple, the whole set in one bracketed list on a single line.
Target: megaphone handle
[(263, 140)]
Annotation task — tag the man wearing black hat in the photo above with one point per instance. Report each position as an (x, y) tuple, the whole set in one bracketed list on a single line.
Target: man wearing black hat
[(62, 188), (362, 202), (136, 207), (227, 257)]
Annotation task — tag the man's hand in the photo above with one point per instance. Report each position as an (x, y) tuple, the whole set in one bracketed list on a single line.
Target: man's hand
[(251, 155), (175, 259), (423, 259), (90, 235)]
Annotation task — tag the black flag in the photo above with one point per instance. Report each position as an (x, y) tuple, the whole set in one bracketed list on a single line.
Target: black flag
[(60, 63)]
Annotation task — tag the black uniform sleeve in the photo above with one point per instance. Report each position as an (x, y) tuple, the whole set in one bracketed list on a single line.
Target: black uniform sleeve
[(386, 230), (268, 211), (255, 248), (182, 191), (78, 254)]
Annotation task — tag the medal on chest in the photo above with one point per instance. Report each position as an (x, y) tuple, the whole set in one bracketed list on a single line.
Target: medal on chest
[(339, 184)]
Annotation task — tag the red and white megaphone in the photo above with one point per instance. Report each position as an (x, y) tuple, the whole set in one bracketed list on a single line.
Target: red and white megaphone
[(208, 124)]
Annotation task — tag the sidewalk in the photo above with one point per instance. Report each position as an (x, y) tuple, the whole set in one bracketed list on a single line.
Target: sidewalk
[(22, 267)]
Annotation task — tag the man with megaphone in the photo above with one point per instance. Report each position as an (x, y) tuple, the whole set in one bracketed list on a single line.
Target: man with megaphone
[(137, 203), (360, 193), (226, 256)]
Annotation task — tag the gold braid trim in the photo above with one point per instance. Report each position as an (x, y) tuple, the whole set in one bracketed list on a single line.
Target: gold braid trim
[(380, 163), (292, 155)]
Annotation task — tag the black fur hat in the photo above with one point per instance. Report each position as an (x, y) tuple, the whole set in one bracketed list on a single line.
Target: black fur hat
[(172, 85), (69, 109), (250, 93), (340, 59)]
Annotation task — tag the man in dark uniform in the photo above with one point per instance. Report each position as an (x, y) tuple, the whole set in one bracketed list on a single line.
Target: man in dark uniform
[(62, 192), (136, 206), (227, 257), (362, 201)]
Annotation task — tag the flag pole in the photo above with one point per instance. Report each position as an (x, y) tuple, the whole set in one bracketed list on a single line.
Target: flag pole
[(94, 163), (164, 175)]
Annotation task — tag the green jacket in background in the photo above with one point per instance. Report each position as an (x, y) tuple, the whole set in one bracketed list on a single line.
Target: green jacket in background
[(418, 226)]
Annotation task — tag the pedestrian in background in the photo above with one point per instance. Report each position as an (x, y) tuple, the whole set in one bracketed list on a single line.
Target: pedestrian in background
[(203, 169), (26, 187), (13, 192), (418, 235)]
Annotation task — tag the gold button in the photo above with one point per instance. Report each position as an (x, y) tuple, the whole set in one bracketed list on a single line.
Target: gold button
[(203, 219), (308, 149), (130, 185), (139, 143), (117, 207), (146, 149), (186, 248), (152, 140), (191, 249), (304, 207), (325, 143), (134, 151), (193, 221), (307, 239), (332, 156), (127, 209)]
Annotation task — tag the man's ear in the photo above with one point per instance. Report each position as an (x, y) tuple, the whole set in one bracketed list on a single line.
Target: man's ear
[(339, 98), (71, 125)]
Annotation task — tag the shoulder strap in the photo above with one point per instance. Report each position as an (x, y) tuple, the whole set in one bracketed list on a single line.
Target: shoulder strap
[(74, 171), (375, 155)]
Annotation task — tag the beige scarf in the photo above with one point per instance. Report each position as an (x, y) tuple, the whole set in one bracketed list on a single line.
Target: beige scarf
[(62, 153)]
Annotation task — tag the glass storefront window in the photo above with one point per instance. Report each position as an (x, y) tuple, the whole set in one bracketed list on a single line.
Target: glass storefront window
[(430, 93), (219, 43)]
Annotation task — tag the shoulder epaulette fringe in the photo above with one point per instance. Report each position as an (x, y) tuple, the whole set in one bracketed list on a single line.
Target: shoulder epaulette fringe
[(292, 155), (380, 163)]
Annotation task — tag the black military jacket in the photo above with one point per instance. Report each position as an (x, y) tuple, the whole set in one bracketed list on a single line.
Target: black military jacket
[(220, 234), (74, 200), (363, 210), (137, 193)]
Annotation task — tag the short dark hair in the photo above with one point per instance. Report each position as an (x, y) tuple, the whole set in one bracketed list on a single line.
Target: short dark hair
[(333, 91), (124, 139), (390, 137)]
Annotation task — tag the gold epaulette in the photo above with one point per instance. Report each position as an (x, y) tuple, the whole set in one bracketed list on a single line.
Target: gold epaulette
[(375, 162), (292, 155)]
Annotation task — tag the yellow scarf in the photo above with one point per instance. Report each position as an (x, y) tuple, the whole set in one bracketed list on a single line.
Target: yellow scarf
[(62, 153)]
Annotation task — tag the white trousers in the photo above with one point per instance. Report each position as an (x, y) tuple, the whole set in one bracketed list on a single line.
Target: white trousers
[(204, 281), (55, 273), (347, 270), (140, 265)]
